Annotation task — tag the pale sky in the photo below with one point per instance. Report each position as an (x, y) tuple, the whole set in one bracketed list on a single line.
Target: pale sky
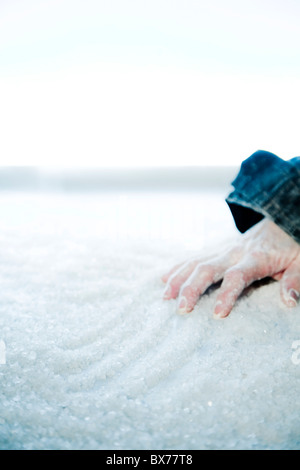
[(160, 82)]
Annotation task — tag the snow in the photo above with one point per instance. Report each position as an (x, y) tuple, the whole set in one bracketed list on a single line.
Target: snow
[(93, 358)]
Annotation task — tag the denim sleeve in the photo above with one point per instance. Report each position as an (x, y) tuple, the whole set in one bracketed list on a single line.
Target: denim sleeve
[(267, 186)]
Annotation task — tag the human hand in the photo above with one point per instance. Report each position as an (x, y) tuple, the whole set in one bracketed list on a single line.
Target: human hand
[(263, 251)]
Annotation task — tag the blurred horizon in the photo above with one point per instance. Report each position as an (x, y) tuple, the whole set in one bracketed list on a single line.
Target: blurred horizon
[(117, 179)]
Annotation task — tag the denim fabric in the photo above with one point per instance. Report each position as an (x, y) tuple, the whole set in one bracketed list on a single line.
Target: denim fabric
[(267, 186)]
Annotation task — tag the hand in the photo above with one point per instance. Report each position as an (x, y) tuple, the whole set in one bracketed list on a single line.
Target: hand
[(263, 251)]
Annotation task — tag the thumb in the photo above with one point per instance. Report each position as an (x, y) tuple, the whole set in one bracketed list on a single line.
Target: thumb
[(290, 283)]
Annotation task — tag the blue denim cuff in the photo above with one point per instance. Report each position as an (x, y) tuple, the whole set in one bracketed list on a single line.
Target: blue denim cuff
[(267, 186)]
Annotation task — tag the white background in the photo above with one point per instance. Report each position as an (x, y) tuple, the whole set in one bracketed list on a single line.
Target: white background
[(136, 83)]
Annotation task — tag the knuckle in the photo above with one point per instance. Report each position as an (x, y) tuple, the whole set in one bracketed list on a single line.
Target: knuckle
[(188, 291), (235, 274), (206, 270)]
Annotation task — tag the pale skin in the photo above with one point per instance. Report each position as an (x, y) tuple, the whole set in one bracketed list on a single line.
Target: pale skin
[(263, 251)]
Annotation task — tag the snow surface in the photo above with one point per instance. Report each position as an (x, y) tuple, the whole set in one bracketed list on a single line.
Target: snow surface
[(93, 358)]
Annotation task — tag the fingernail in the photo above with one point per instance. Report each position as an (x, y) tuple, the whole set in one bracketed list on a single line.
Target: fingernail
[(182, 306), (293, 297), (218, 308), (218, 316), (167, 293), (218, 313)]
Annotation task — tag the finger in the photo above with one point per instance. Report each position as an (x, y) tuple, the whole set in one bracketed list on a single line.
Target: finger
[(193, 262), (210, 255), (236, 279), (290, 284), (177, 278), (203, 276), (232, 286)]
